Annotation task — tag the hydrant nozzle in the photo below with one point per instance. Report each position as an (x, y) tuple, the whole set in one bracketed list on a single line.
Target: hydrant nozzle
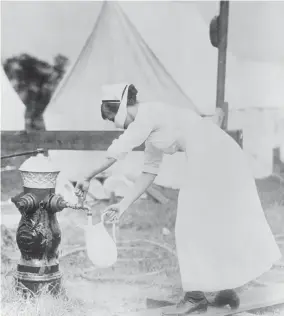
[(55, 203), (26, 203)]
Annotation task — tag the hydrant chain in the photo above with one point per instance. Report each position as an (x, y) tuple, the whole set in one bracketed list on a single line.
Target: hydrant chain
[(77, 207)]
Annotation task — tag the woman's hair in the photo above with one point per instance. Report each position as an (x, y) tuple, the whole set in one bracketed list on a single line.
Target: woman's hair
[(110, 109)]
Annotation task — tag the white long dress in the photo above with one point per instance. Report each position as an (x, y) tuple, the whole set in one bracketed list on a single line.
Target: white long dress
[(222, 237)]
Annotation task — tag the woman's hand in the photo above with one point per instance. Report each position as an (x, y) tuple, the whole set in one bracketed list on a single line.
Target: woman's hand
[(113, 213), (82, 188)]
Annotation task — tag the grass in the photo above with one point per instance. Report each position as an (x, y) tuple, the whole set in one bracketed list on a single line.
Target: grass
[(84, 297), (44, 304)]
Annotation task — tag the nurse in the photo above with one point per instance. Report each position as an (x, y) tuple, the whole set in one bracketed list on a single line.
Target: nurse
[(222, 237)]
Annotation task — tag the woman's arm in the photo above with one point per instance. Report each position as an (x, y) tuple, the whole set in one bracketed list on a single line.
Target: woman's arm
[(140, 186), (82, 187), (137, 133), (108, 162), (152, 160), (113, 212)]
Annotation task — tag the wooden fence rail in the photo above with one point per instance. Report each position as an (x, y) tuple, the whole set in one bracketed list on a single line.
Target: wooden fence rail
[(13, 142)]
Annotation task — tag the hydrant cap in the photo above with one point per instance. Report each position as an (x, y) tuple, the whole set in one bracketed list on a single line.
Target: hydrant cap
[(39, 172), (39, 163)]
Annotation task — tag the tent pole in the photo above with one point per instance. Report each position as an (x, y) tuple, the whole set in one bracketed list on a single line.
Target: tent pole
[(222, 58)]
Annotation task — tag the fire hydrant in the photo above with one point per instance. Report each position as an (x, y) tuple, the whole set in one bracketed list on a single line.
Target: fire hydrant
[(38, 235)]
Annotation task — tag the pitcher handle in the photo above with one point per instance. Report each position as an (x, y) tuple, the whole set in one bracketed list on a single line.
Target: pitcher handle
[(113, 227)]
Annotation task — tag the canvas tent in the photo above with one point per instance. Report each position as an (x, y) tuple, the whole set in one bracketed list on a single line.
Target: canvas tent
[(169, 58), (12, 107), (115, 52)]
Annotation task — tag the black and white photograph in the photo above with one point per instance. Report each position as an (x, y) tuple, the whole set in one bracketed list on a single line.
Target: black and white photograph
[(142, 158)]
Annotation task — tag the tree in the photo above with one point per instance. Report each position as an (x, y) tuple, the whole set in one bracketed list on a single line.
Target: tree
[(35, 81)]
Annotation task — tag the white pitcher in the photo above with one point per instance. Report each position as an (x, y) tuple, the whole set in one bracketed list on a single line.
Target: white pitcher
[(101, 247)]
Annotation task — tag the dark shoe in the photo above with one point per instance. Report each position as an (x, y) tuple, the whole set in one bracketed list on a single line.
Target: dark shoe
[(187, 306), (227, 297)]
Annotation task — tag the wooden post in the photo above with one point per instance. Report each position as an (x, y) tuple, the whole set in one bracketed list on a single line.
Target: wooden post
[(222, 58)]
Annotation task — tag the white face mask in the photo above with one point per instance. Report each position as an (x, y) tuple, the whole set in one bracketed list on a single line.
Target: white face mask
[(121, 115), (118, 93)]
